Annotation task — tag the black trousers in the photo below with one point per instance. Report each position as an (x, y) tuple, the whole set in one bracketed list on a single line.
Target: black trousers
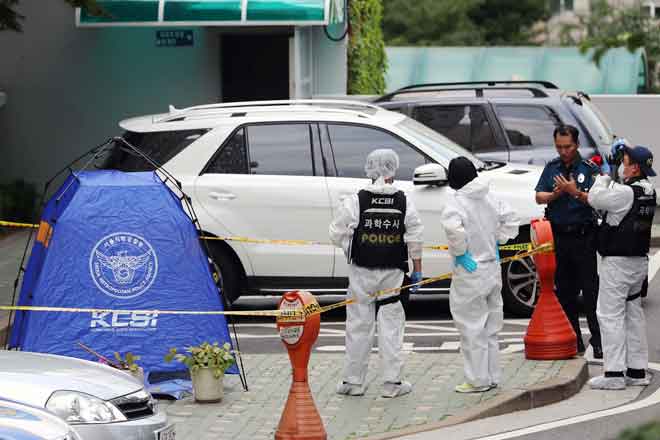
[(577, 271)]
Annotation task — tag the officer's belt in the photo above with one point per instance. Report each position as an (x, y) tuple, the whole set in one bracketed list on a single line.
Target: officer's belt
[(580, 228), (388, 300)]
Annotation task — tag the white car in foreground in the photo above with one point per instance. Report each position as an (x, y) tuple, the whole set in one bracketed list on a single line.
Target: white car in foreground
[(99, 402), (277, 170)]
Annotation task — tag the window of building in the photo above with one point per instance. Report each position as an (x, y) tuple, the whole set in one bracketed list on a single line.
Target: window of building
[(559, 6), (651, 9), (352, 143)]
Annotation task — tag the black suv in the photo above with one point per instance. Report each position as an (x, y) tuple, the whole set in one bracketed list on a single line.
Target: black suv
[(504, 121)]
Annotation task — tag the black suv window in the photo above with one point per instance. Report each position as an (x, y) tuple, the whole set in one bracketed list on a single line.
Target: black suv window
[(352, 143), (160, 146), (232, 156), (527, 125), (280, 149), (467, 125)]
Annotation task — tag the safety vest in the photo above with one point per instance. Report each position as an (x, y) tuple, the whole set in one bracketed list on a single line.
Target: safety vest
[(378, 238), (631, 237)]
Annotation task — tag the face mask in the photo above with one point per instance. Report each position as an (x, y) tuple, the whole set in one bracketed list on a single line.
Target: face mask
[(619, 171)]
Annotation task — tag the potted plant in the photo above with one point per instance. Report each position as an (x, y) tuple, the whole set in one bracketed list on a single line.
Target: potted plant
[(126, 363), (207, 364)]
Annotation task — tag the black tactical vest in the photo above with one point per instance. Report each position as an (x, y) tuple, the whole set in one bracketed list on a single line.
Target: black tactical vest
[(631, 237), (378, 238)]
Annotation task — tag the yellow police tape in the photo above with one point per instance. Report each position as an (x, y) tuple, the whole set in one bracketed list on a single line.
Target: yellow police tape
[(438, 247), (17, 225), (282, 315), (237, 238)]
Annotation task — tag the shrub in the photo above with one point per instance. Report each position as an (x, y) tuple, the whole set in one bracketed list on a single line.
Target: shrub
[(366, 49)]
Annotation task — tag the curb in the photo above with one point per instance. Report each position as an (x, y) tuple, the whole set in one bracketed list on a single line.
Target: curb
[(572, 376)]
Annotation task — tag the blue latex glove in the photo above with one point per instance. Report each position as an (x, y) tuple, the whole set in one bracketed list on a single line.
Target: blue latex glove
[(605, 167), (618, 146), (466, 261), (497, 251), (415, 277)]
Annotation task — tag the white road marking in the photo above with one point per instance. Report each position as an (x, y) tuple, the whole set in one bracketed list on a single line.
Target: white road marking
[(326, 331), (652, 399), (409, 347), (513, 348), (450, 345), (654, 265), (341, 334), (430, 327), (523, 322)]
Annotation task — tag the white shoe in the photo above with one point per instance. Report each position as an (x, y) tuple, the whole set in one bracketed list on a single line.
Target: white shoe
[(466, 387), (391, 389), (638, 382), (607, 383), (350, 389)]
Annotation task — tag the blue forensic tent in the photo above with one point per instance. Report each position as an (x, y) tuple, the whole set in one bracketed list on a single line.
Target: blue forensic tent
[(113, 240), (619, 72)]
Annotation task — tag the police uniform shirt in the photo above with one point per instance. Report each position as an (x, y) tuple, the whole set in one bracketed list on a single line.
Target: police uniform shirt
[(567, 210)]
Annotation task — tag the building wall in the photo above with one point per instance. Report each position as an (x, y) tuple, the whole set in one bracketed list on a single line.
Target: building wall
[(68, 87), (634, 117), (330, 60)]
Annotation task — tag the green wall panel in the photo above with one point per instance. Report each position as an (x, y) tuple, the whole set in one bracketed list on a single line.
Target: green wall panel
[(285, 10), (124, 11), (218, 10)]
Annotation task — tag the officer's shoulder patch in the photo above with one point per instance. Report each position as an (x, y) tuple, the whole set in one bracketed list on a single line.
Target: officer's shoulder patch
[(593, 166)]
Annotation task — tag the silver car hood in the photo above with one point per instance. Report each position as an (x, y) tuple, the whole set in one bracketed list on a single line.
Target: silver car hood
[(32, 377)]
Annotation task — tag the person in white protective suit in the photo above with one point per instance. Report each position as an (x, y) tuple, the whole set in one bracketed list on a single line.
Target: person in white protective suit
[(378, 229), (624, 238), (475, 223)]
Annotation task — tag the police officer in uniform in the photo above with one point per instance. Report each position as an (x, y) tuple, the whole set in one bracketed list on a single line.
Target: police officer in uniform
[(379, 229), (623, 242), (563, 186)]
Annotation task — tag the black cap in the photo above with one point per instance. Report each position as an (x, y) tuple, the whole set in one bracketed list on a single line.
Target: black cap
[(642, 156), (461, 172)]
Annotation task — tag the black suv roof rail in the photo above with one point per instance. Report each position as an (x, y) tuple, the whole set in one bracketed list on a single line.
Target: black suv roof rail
[(437, 87)]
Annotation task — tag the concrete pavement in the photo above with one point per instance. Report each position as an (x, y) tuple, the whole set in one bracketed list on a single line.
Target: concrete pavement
[(11, 251), (255, 414)]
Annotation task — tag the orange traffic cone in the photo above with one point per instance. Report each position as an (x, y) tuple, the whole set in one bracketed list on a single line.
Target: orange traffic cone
[(550, 335), (300, 418)]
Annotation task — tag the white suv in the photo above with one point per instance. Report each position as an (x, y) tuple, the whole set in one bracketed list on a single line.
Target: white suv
[(278, 169)]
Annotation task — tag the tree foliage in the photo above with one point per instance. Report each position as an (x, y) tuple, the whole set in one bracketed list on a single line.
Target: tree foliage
[(366, 49), (608, 27), (11, 20), (461, 23), (429, 22), (508, 22)]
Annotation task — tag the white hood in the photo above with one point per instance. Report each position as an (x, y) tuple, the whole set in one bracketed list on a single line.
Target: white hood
[(475, 189), (32, 377)]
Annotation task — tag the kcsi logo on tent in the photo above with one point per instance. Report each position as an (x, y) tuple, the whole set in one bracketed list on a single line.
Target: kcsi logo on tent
[(123, 265)]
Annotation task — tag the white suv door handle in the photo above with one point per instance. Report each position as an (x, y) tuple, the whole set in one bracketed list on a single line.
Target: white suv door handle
[(221, 196), (343, 194)]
